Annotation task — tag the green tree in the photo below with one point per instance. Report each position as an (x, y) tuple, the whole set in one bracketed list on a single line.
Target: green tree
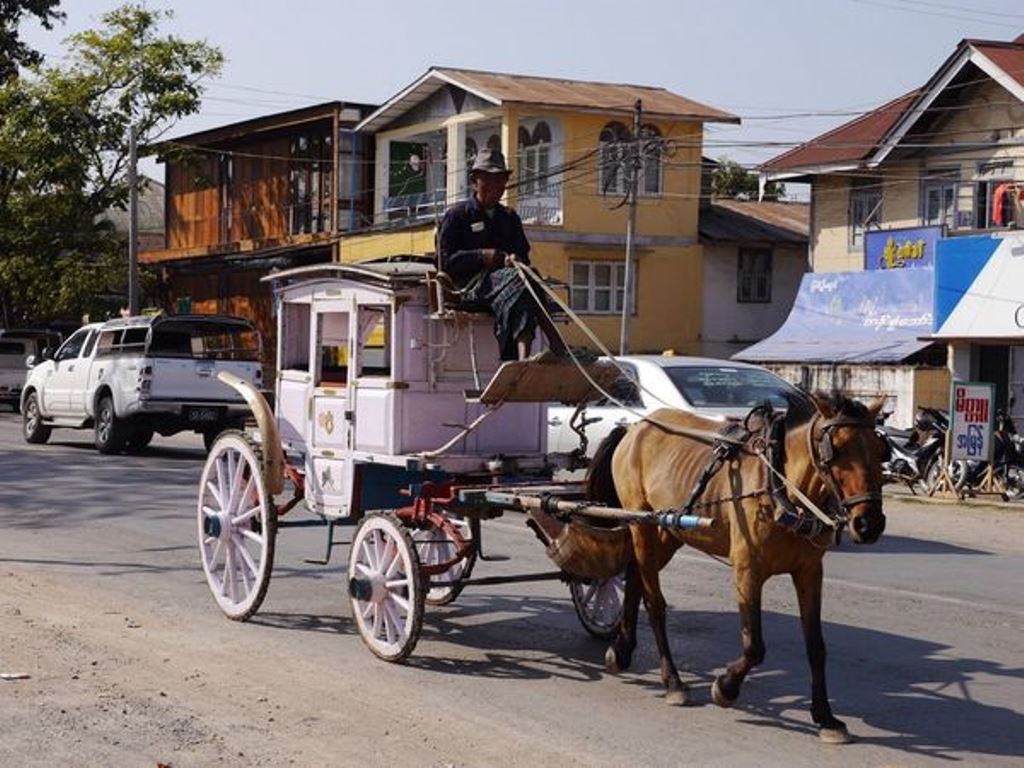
[(63, 159), (730, 180), (13, 51)]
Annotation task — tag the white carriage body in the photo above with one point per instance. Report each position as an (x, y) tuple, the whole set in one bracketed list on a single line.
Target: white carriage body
[(371, 383)]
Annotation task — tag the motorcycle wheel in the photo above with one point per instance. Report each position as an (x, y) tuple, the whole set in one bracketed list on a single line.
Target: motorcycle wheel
[(1013, 482)]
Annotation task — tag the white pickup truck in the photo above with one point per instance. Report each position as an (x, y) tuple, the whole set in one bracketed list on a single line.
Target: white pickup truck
[(128, 379)]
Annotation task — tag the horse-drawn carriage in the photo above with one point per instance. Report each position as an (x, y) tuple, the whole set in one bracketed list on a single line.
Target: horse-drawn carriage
[(393, 414)]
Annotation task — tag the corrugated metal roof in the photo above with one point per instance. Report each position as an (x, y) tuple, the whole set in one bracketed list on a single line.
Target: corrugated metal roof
[(748, 221), (858, 139), (1009, 57), (501, 88), (850, 142), (581, 94)]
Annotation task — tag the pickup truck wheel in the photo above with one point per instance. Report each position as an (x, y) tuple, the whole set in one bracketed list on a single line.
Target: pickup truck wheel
[(33, 428), (138, 438), (111, 432)]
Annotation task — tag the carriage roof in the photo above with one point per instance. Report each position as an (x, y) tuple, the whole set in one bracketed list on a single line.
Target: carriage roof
[(393, 274)]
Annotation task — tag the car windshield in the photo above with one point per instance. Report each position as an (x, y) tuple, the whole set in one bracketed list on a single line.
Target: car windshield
[(723, 386)]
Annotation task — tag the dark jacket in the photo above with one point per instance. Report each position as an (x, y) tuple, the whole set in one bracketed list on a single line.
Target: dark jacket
[(466, 230)]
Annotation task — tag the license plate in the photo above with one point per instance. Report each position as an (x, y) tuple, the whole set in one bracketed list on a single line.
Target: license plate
[(198, 415)]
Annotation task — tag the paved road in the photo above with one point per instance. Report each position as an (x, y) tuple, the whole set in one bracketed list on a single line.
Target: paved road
[(98, 566)]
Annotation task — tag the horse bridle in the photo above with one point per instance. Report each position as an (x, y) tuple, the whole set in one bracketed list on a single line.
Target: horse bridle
[(825, 456)]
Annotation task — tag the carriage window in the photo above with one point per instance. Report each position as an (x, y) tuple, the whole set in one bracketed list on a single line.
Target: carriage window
[(295, 337), (374, 341), (332, 348)]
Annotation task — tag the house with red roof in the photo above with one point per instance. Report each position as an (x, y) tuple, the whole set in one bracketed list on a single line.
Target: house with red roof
[(947, 155), (890, 190)]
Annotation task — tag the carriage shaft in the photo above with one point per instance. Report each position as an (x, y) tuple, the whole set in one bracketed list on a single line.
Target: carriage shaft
[(665, 519)]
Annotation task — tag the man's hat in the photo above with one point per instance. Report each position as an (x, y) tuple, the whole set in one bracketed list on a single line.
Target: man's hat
[(489, 161)]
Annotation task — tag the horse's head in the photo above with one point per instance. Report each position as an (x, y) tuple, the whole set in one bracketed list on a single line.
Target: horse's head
[(848, 454)]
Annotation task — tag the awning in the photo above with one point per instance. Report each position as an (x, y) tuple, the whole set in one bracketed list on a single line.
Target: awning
[(979, 288), (852, 317)]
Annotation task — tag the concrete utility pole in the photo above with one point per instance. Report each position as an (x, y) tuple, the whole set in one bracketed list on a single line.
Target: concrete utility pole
[(133, 221), (634, 165)]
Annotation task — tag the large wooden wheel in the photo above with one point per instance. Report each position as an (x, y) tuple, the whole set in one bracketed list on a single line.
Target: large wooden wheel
[(598, 605), (385, 586), (434, 546), (236, 526)]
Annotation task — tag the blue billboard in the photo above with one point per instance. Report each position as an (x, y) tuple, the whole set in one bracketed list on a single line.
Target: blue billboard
[(900, 248)]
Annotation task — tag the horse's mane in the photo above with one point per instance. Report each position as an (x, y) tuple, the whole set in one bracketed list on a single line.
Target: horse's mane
[(802, 407)]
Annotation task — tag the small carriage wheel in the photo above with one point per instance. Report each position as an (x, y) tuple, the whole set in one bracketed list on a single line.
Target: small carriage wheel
[(385, 586), (598, 605), (236, 526), (435, 546)]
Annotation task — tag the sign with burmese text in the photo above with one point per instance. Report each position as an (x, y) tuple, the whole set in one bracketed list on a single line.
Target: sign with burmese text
[(900, 248), (971, 416)]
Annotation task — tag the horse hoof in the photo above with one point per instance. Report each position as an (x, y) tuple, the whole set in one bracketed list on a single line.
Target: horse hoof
[(611, 661), (676, 697), (835, 735), (718, 695)]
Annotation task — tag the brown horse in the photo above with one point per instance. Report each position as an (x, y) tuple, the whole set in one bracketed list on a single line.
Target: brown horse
[(825, 446)]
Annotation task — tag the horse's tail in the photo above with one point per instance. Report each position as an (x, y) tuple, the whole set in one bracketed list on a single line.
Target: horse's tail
[(600, 483)]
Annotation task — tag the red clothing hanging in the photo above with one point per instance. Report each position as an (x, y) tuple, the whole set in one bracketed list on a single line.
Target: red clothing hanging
[(1006, 188)]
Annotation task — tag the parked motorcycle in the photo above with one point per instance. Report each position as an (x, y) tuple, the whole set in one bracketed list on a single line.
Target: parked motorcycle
[(1007, 463), (914, 455)]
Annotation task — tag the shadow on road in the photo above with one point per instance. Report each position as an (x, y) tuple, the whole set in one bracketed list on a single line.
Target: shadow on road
[(906, 545)]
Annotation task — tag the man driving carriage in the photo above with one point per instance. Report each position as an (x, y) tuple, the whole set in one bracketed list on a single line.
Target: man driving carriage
[(478, 242)]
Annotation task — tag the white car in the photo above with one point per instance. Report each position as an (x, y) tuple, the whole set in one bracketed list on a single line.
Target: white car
[(15, 347), (715, 389), (129, 378)]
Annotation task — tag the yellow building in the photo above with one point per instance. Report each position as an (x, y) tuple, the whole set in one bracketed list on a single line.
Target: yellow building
[(566, 141)]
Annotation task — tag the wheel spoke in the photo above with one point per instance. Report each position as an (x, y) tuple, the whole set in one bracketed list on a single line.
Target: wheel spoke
[(245, 515), (397, 583), (215, 493), (216, 551), (248, 562), (236, 483), (364, 569), (389, 630), (401, 601), (229, 574), (221, 498), (377, 618), (251, 535), (395, 562), (364, 545), (378, 549)]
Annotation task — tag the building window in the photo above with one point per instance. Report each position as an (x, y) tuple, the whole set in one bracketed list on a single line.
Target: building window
[(991, 176), (754, 276), (650, 147), (535, 160), (614, 160), (596, 287), (613, 156), (310, 184), (938, 199), (865, 209)]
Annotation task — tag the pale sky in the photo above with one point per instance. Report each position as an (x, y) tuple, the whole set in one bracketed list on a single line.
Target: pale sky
[(754, 58)]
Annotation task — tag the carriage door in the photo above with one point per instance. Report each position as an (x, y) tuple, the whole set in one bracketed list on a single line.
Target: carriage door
[(373, 392), (330, 426)]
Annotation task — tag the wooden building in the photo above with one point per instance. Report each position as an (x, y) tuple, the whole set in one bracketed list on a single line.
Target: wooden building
[(263, 194)]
